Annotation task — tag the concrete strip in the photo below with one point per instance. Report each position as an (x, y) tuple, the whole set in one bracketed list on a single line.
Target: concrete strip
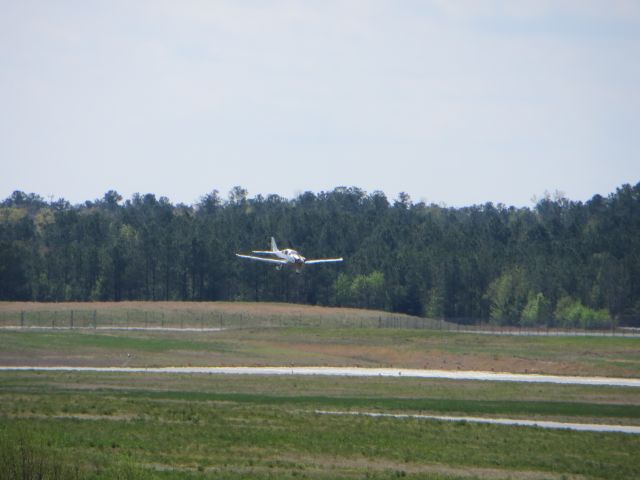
[(354, 372), (506, 331), (582, 427), (135, 329), (544, 333)]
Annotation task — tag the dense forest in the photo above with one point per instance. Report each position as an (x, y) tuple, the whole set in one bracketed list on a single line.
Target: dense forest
[(561, 262)]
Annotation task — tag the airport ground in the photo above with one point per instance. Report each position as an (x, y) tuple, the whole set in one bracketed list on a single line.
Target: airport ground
[(133, 425)]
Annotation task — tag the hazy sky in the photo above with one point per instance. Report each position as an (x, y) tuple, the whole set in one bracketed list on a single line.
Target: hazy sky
[(460, 102)]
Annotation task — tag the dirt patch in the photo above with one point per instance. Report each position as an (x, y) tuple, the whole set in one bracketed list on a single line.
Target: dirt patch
[(80, 416), (341, 464), (390, 356), (284, 464)]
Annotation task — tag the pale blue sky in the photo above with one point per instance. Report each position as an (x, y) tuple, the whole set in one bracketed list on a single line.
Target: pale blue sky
[(456, 102)]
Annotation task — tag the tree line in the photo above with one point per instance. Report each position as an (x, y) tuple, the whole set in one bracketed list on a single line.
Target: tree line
[(561, 262)]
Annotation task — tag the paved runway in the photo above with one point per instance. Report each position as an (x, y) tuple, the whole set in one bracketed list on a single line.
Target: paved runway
[(582, 427), (353, 372)]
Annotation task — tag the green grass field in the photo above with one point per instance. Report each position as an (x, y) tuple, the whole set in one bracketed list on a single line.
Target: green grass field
[(310, 346), (115, 426), (202, 426)]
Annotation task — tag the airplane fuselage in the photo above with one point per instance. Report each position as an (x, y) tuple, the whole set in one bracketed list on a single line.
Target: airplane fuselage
[(290, 256), (286, 257)]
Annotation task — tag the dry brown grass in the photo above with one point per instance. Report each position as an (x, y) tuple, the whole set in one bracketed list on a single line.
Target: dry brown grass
[(250, 308), (391, 356)]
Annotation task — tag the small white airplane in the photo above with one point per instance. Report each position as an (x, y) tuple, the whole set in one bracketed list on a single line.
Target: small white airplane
[(286, 257)]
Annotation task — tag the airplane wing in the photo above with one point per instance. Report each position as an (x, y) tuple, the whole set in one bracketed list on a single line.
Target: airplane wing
[(322, 260), (263, 259), (263, 252)]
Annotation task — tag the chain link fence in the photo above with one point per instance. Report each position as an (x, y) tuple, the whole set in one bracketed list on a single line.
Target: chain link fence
[(212, 321)]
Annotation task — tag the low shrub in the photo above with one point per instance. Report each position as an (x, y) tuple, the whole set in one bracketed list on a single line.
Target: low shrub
[(571, 313)]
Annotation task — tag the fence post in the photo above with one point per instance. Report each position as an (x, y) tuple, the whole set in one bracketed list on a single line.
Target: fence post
[(22, 319), (71, 319)]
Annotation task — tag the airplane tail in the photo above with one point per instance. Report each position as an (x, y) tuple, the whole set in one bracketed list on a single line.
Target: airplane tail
[(274, 247)]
